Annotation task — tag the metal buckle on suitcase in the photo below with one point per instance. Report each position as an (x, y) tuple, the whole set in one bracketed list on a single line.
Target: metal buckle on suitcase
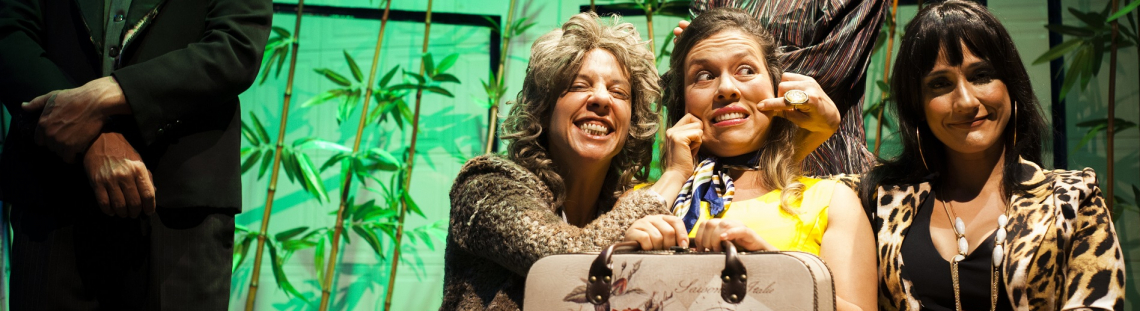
[(681, 280)]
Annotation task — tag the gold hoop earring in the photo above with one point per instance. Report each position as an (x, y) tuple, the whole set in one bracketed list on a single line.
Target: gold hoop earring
[(918, 135), (1015, 124)]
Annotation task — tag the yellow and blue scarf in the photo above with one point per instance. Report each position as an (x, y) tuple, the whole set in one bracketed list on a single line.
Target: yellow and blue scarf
[(712, 184)]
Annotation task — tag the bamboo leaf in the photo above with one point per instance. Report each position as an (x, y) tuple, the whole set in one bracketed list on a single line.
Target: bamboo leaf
[(319, 259), (315, 186), (388, 76), (334, 77), (426, 239), (279, 275), (445, 77), (446, 64), (268, 66), (419, 78), (289, 165), (282, 32), (352, 66), (287, 234), (411, 203), (1070, 30), (405, 86), (1091, 19), (250, 161), (332, 161), (429, 64), (1058, 51), (321, 98), (1123, 11), (281, 60), (265, 160), (1089, 136), (439, 90), (249, 134), (370, 238), (325, 145), (261, 133), (494, 25), (385, 161)]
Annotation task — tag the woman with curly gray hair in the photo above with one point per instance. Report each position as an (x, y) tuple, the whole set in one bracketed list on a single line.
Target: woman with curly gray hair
[(580, 133)]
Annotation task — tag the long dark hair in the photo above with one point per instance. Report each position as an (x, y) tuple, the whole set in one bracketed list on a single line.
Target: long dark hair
[(945, 27)]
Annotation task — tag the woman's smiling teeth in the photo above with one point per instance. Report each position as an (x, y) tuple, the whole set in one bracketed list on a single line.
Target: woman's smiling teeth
[(594, 128), (729, 116)]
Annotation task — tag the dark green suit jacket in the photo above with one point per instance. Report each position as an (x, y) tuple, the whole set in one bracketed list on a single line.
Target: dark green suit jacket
[(181, 68)]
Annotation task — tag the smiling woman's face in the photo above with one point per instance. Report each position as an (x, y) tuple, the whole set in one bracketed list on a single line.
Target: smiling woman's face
[(725, 77), (590, 121), (967, 107)]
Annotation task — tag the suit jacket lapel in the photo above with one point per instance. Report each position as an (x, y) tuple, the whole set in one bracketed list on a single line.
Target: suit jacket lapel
[(1031, 218), (140, 9), (92, 13)]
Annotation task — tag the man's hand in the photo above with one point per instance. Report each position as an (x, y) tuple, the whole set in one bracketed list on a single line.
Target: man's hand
[(123, 185), (70, 119)]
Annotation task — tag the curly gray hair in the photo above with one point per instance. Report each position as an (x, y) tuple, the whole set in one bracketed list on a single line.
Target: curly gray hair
[(555, 59)]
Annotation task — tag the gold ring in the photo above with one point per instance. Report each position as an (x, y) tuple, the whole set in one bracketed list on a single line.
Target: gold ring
[(795, 97)]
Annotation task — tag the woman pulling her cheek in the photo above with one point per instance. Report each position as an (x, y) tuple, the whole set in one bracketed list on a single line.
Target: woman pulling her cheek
[(969, 220), (580, 134), (734, 114)]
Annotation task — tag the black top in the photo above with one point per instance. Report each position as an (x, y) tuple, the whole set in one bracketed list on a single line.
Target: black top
[(930, 274)]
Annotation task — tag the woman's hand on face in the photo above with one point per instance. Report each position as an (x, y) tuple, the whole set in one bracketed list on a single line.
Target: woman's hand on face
[(818, 115), (715, 230), (658, 232), (683, 140)]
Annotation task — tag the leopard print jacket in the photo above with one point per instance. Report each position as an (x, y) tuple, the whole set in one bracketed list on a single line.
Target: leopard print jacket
[(502, 222), (1063, 252)]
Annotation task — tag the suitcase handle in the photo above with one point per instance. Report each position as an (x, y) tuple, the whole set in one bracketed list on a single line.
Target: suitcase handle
[(734, 277)]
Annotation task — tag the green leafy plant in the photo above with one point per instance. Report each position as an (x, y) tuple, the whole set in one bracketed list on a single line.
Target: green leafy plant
[(494, 86), (349, 91), (276, 51), (1088, 45), (297, 165), (1096, 126), (433, 78)]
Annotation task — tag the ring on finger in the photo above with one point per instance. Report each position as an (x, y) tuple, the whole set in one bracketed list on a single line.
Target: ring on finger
[(795, 98)]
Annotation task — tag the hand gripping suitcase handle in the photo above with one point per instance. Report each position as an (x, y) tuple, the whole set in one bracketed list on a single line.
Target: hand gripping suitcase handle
[(734, 277)]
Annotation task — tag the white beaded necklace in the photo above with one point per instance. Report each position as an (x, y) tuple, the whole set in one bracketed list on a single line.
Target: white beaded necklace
[(964, 246)]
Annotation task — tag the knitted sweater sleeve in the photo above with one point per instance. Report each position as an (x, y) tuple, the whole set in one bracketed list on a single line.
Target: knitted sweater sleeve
[(502, 212)]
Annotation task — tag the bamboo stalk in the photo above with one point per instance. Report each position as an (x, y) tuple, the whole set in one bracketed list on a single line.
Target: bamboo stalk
[(1112, 108), (649, 27), (493, 123), (408, 179), (887, 73), (254, 281), (592, 8), (330, 266)]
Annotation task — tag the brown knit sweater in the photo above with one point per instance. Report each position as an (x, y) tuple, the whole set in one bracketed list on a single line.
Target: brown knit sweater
[(502, 222)]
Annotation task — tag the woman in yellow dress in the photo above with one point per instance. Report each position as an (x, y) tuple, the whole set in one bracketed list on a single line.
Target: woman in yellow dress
[(732, 161)]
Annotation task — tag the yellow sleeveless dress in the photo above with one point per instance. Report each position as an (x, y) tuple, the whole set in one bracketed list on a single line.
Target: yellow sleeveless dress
[(787, 232)]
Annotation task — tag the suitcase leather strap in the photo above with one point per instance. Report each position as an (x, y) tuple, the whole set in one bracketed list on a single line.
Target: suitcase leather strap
[(734, 277)]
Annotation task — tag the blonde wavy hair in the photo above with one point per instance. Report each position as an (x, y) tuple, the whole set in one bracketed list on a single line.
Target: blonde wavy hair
[(778, 167), (555, 59)]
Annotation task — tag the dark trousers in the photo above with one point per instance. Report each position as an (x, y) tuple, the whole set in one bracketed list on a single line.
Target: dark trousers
[(81, 259)]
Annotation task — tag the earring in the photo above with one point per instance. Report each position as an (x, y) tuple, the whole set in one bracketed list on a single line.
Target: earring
[(918, 135), (1015, 124)]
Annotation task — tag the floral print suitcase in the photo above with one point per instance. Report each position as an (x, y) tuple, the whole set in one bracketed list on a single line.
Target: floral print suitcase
[(619, 280)]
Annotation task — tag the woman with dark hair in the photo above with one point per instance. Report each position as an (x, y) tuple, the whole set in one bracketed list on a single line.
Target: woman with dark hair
[(733, 114), (580, 135), (965, 217)]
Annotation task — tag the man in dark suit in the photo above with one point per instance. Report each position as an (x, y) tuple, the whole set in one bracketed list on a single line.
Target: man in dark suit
[(121, 162)]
